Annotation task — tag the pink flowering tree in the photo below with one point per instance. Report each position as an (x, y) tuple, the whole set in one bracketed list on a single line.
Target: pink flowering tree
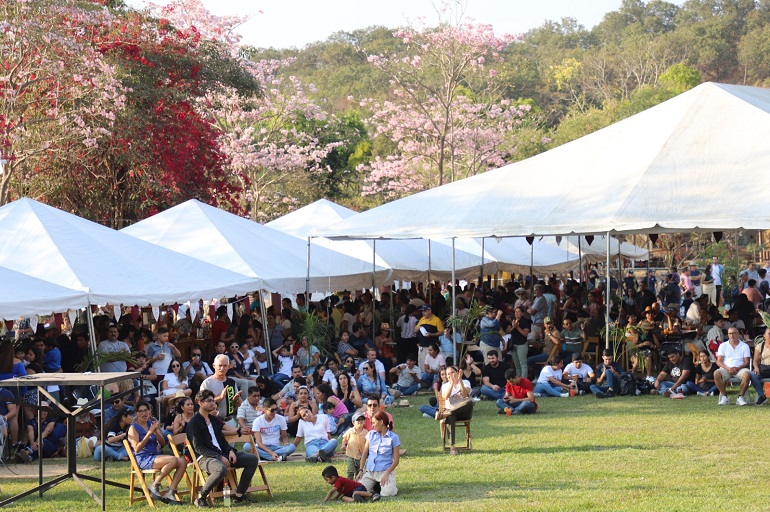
[(263, 137), (58, 96), (446, 116)]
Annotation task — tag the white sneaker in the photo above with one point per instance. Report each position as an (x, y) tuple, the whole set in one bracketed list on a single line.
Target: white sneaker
[(426, 415), (651, 379), (723, 400), (564, 395), (537, 395), (476, 399), (701, 393), (741, 401)]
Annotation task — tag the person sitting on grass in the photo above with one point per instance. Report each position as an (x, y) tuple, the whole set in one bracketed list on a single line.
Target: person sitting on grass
[(704, 376), (48, 444), (549, 382), (343, 488), (609, 376), (315, 430), (408, 376), (519, 395), (579, 373), (117, 431), (493, 377), (678, 368)]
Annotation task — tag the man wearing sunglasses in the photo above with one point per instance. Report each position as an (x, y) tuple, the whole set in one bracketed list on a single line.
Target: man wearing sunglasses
[(269, 431), (197, 369), (372, 407)]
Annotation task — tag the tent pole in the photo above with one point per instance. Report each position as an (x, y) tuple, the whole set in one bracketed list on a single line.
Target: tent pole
[(607, 295), (454, 299), (374, 266), (307, 277), (532, 264), (430, 281), (91, 331), (481, 268), (265, 336), (580, 260)]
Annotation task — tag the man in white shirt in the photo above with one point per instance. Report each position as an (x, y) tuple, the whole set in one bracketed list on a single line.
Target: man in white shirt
[(371, 358), (733, 360), (579, 373), (269, 431), (549, 382)]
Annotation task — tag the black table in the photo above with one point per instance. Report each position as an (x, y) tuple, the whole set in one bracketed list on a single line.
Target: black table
[(41, 381)]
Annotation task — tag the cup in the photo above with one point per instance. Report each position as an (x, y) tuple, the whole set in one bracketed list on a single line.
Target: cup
[(572, 392)]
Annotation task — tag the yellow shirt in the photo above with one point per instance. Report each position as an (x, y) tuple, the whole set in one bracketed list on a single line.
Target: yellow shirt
[(355, 442)]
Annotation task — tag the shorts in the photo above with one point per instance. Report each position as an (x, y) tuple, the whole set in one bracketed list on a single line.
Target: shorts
[(357, 489), (726, 375)]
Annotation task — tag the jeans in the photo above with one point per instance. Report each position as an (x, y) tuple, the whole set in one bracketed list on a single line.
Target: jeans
[(111, 453), (407, 390), (283, 451), (547, 389), (694, 388), (428, 379), (667, 384), (430, 411), (312, 448), (756, 383), (610, 381), (217, 472), (519, 355), (280, 378), (491, 393), (525, 407)]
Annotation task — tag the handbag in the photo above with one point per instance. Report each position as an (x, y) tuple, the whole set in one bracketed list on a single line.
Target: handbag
[(461, 403)]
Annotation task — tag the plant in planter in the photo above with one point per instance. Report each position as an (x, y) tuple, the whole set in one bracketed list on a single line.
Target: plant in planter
[(318, 331), (94, 360), (467, 325)]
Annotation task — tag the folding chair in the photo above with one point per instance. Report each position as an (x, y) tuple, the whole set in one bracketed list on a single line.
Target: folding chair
[(139, 474), (444, 431), (173, 441), (250, 439), (592, 346), (199, 477)]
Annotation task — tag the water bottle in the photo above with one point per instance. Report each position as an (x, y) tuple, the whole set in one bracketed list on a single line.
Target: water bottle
[(228, 502)]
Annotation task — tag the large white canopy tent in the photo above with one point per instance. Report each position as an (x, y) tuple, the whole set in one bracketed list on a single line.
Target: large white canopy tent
[(278, 260), (108, 266), (25, 296), (410, 260), (694, 162), (698, 161)]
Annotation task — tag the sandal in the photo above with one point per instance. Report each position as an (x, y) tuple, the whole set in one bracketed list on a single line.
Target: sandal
[(452, 451)]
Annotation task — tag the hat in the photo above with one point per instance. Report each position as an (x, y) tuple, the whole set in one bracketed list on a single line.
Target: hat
[(630, 271), (693, 263), (425, 307), (519, 291), (385, 326), (176, 396), (744, 273), (548, 320), (81, 402), (357, 416), (672, 307)]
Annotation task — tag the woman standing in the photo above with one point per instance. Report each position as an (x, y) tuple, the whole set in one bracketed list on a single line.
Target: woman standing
[(147, 440), (518, 345), (458, 405), (380, 458), (709, 288), (117, 431)]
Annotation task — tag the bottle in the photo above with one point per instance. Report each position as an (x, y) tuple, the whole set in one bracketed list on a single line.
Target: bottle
[(228, 502)]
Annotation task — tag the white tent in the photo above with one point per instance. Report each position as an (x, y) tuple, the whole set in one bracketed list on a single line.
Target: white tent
[(409, 260), (109, 266), (23, 295), (596, 251), (698, 161), (240, 245)]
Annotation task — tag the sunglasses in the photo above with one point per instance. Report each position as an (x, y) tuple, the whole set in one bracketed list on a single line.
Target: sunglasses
[(372, 405), (234, 346)]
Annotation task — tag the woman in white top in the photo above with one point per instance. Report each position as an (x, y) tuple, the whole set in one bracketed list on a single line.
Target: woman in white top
[(458, 405), (175, 380), (316, 432)]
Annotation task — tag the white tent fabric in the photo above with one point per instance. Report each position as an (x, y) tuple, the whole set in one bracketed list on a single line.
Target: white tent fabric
[(513, 255), (698, 161), (109, 266), (597, 250), (25, 296), (240, 245), (408, 259)]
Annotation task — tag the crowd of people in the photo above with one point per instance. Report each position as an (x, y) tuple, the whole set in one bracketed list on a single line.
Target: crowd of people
[(268, 380)]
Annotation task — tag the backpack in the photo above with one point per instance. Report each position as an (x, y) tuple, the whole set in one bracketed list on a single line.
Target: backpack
[(627, 384)]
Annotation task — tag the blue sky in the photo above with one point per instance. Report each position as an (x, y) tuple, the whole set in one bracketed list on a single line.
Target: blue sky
[(287, 23)]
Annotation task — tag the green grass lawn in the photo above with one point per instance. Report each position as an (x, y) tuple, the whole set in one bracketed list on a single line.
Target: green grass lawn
[(638, 453)]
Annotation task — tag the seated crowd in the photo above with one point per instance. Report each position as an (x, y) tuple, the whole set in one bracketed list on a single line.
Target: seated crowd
[(273, 383)]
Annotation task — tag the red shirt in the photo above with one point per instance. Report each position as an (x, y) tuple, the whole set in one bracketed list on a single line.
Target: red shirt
[(521, 390), (345, 485)]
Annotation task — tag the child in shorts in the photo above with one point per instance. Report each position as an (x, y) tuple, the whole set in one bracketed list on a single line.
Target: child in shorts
[(343, 488), (353, 441)]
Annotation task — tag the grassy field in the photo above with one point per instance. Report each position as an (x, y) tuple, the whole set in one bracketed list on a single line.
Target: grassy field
[(629, 453)]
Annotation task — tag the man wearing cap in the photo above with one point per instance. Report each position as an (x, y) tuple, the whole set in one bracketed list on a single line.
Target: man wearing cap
[(675, 375), (270, 434), (629, 282), (733, 359), (428, 327), (671, 322), (695, 279)]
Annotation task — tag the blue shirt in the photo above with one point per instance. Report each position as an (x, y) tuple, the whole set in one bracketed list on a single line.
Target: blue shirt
[(52, 361), (381, 450)]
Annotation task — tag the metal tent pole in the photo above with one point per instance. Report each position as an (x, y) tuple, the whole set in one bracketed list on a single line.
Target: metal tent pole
[(607, 296)]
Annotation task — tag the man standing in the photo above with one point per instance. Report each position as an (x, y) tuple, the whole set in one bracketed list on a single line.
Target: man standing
[(733, 360), (428, 327), (675, 374), (490, 331), (695, 279), (539, 309), (216, 456), (160, 353), (223, 388), (112, 344), (493, 377), (717, 271), (270, 434)]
